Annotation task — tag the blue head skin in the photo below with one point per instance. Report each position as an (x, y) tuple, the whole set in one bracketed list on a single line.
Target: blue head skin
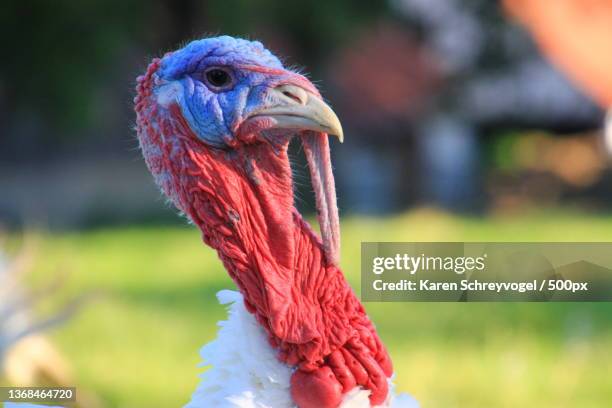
[(221, 82)]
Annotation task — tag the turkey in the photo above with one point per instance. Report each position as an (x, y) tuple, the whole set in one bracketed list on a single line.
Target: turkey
[(214, 121)]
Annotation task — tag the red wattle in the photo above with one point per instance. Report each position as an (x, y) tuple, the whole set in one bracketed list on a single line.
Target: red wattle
[(316, 389)]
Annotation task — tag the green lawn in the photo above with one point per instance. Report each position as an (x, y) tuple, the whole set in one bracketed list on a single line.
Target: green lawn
[(137, 345)]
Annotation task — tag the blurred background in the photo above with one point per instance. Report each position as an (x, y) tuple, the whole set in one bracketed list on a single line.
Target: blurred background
[(465, 120)]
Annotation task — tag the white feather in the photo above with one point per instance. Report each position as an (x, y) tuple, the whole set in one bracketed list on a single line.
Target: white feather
[(245, 373)]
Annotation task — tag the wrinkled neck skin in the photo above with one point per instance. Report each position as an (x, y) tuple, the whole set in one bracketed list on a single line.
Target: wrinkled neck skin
[(242, 201)]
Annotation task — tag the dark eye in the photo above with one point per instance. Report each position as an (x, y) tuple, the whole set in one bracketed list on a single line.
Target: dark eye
[(218, 78)]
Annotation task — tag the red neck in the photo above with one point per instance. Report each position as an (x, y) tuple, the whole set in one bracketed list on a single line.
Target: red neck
[(242, 201)]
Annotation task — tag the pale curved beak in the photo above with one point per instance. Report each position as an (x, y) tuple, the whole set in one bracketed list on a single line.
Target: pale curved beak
[(301, 110)]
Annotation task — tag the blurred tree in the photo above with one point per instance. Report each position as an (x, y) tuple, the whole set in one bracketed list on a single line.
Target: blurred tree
[(60, 56), (56, 52)]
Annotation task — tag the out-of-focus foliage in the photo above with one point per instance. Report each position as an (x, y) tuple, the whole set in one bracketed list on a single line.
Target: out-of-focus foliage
[(56, 55), (61, 56)]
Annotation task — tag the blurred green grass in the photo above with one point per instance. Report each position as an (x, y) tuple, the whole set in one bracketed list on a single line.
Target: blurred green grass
[(137, 345)]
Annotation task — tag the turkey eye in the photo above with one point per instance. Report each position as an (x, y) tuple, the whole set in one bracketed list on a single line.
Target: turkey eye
[(218, 78)]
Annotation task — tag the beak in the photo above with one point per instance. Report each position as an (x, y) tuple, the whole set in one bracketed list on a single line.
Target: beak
[(301, 109)]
